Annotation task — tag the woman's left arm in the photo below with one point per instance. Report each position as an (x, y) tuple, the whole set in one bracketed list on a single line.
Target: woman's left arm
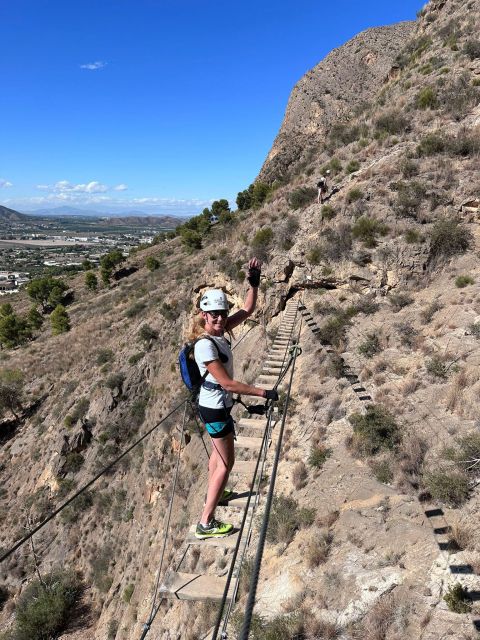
[(251, 297)]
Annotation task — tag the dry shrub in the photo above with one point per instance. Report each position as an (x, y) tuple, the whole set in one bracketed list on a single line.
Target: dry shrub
[(320, 629), (318, 547), (455, 393), (410, 385), (328, 520), (299, 475), (462, 536), (379, 620), (410, 457)]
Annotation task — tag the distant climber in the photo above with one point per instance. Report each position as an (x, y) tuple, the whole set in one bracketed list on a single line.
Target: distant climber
[(213, 355), (322, 185)]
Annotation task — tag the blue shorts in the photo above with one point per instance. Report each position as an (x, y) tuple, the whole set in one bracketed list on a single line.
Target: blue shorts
[(218, 422)]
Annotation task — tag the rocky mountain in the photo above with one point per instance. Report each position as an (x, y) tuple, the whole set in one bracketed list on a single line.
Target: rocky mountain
[(343, 83), (373, 529), (10, 215)]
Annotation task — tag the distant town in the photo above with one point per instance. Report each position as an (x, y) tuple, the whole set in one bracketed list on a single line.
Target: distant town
[(32, 247)]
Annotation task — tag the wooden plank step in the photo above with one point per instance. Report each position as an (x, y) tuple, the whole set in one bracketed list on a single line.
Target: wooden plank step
[(252, 422), (265, 378), (228, 542), (247, 442), (238, 500), (364, 397), (244, 467), (359, 389), (194, 586)]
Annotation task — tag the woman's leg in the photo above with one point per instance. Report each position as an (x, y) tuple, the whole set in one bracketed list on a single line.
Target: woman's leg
[(219, 467)]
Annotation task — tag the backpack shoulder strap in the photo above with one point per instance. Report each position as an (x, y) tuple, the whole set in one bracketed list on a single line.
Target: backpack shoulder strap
[(206, 337)]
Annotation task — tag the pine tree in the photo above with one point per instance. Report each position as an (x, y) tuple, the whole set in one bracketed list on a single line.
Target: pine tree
[(59, 320), (91, 281)]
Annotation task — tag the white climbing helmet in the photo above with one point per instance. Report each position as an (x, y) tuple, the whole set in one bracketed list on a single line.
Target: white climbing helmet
[(328, 172), (214, 300)]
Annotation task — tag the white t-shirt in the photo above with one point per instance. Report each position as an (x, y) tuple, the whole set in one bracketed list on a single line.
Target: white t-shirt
[(205, 351)]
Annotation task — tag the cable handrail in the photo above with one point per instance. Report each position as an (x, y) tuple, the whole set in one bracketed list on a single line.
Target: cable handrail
[(67, 502), (245, 632), (237, 546)]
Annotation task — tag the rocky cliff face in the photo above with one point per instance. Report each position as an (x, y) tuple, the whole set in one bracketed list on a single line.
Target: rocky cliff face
[(344, 82)]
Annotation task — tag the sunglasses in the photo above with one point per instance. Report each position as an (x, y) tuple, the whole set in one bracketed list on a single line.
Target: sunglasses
[(217, 314)]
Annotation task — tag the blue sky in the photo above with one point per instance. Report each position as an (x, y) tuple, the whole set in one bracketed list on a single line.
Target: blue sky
[(155, 105)]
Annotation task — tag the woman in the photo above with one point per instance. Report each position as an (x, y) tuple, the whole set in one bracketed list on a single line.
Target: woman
[(213, 355)]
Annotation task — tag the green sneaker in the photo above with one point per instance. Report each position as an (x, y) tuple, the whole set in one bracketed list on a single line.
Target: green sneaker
[(226, 495), (214, 529)]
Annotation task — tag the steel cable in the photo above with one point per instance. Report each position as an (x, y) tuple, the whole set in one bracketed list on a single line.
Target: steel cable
[(86, 486), (237, 546), (245, 632), (167, 528)]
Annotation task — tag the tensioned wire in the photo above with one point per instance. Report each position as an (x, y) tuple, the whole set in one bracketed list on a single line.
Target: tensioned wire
[(263, 449), (155, 607), (245, 632), (82, 489), (247, 537)]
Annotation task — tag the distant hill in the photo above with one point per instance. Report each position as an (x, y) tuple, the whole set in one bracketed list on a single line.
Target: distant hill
[(10, 215), (145, 221), (132, 217)]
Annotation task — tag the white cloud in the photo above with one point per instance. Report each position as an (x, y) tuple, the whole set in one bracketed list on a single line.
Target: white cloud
[(120, 187), (64, 186), (4, 184), (94, 66)]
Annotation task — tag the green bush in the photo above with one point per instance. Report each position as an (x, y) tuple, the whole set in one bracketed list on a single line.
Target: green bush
[(152, 263), (136, 357), (128, 593), (426, 98), (43, 611), (254, 196), (409, 168), (91, 281), (135, 309), (448, 238), (301, 197), (352, 166), (459, 96), (192, 240), (432, 144), (82, 503), (104, 356), (46, 291), (337, 243), (375, 430), (410, 196), (382, 471), (457, 599), (318, 456), (147, 335), (437, 367), (262, 238), (327, 212), (472, 49), (412, 236), (14, 331), (73, 462), (286, 517), (59, 320), (108, 263), (370, 347), (342, 133), (353, 195), (447, 485), (314, 256), (399, 300), (366, 229), (463, 281), (115, 381), (392, 122)]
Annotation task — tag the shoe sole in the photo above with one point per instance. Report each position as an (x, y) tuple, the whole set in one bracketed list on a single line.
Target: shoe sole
[(201, 536)]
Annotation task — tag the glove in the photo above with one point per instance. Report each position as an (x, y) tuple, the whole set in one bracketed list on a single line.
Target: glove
[(271, 394), (253, 276)]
